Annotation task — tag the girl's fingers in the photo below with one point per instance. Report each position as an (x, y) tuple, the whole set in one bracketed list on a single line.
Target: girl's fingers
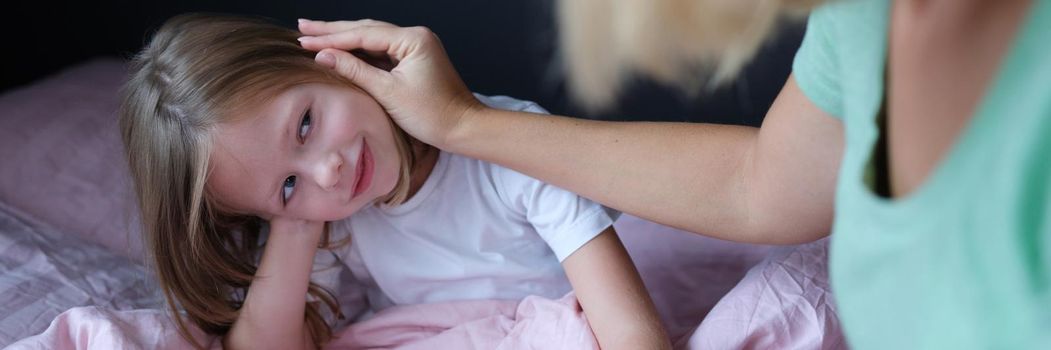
[(311, 27)]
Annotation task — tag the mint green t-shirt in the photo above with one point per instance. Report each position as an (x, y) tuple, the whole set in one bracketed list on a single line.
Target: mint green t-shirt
[(964, 262)]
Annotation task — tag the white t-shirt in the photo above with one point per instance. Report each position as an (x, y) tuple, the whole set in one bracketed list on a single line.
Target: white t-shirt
[(474, 230)]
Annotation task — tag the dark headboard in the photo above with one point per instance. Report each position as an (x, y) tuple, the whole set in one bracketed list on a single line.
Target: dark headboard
[(499, 47)]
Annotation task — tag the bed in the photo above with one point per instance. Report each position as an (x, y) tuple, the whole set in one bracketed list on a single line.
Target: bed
[(72, 271)]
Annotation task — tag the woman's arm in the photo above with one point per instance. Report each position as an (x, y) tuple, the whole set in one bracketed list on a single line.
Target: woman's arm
[(272, 316), (614, 299), (768, 185)]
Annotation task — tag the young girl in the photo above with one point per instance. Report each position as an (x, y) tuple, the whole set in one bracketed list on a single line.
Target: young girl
[(231, 129)]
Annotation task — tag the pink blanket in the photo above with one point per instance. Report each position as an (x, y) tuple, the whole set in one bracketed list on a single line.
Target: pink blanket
[(98, 327), (533, 323)]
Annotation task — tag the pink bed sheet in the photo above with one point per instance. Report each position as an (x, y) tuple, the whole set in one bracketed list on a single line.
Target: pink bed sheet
[(782, 303), (785, 302), (533, 323)]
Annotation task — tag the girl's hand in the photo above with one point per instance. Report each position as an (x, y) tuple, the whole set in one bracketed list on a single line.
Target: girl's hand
[(299, 227), (422, 92)]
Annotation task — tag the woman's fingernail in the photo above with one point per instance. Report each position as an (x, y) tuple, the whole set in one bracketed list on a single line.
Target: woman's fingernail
[(304, 39), (326, 59), (303, 20)]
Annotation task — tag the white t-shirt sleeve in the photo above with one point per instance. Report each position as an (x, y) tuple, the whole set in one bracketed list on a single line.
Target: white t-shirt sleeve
[(510, 103), (565, 220)]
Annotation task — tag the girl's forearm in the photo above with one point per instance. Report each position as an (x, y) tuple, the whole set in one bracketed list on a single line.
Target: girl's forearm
[(613, 296), (272, 316)]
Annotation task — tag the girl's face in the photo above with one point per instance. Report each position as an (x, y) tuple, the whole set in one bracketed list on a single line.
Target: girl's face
[(316, 151)]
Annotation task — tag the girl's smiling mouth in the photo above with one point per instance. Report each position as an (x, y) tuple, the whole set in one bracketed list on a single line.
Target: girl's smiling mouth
[(363, 170)]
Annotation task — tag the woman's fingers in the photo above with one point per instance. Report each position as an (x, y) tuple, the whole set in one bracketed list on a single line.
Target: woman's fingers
[(396, 42), (368, 38), (311, 27), (376, 59), (362, 74)]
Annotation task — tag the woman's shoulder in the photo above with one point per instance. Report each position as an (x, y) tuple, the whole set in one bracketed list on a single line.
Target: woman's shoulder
[(850, 21), (841, 50)]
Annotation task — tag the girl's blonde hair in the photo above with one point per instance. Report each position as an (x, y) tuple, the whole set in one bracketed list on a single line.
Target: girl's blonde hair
[(197, 72), (673, 41)]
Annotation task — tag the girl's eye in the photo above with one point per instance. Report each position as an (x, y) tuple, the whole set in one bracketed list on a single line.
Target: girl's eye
[(304, 126), (286, 189)]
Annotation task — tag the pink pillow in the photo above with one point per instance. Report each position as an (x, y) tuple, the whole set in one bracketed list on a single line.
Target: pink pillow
[(63, 164)]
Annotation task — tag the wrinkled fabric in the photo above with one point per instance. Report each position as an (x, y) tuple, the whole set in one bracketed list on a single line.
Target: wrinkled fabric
[(783, 303), (44, 273), (97, 327), (685, 273), (533, 323)]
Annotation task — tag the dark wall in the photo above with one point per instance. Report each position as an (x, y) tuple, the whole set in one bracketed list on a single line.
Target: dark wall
[(499, 47)]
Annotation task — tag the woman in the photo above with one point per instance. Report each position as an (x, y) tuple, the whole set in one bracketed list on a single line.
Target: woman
[(914, 130)]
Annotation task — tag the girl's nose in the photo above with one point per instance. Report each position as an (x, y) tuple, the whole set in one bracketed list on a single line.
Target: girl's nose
[(327, 170)]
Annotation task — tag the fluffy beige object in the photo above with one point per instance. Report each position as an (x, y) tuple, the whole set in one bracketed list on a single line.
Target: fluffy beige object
[(682, 42)]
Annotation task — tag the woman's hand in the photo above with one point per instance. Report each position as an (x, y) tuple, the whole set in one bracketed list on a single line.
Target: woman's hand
[(422, 92)]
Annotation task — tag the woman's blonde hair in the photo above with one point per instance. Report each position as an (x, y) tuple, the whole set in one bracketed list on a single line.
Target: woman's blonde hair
[(197, 72), (674, 41)]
